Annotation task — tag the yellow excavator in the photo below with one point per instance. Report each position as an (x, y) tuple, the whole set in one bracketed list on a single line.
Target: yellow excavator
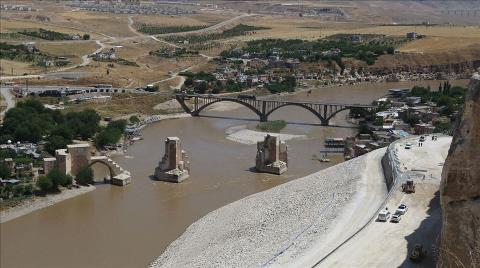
[(408, 187)]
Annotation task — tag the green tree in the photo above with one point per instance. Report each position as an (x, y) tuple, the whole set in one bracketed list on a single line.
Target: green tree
[(4, 171), (412, 120), (378, 121), (118, 124), (86, 37), (56, 142), (363, 129), (54, 179), (85, 176), (108, 136), (134, 119), (45, 184)]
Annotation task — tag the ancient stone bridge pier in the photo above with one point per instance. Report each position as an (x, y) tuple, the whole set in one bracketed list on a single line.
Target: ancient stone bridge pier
[(263, 107)]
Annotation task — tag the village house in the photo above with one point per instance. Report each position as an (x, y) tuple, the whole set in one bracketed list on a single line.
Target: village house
[(104, 55), (411, 35), (331, 52), (423, 128), (46, 63)]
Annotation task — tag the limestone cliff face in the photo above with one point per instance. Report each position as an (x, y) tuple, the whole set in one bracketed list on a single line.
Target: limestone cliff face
[(460, 188)]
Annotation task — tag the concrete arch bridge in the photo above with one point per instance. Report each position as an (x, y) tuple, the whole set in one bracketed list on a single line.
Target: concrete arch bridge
[(263, 107)]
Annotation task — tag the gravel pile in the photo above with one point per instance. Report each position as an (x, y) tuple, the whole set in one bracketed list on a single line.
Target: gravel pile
[(262, 228)]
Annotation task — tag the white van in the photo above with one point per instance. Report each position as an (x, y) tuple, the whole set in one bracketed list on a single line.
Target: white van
[(384, 215)]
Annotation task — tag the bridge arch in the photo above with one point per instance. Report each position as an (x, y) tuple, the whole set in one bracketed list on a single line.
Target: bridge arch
[(105, 163), (255, 110), (323, 120)]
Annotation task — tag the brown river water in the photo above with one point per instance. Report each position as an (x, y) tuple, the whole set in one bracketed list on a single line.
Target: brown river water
[(131, 226)]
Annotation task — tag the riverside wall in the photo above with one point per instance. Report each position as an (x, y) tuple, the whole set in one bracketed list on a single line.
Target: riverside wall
[(391, 166)]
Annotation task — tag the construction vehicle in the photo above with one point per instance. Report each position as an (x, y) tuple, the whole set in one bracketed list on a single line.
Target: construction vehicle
[(408, 187), (418, 253)]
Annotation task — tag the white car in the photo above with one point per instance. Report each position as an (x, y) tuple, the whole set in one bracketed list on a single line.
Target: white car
[(401, 209), (408, 146), (396, 218)]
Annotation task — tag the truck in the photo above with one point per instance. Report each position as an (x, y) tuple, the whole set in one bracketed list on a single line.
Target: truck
[(408, 187)]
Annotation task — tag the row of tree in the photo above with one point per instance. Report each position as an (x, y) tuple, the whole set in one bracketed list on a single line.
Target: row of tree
[(238, 30), (51, 35), (313, 51), (156, 29)]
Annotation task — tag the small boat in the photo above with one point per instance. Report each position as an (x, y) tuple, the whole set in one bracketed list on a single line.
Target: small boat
[(137, 138)]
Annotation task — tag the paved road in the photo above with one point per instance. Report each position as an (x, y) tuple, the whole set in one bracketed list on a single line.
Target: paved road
[(38, 89), (7, 95)]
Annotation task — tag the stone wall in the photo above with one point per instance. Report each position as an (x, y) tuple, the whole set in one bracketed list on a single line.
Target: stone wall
[(460, 188), (80, 154), (391, 166)]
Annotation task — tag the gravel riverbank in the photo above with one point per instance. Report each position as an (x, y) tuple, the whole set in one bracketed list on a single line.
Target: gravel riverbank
[(42, 202), (243, 135), (281, 225)]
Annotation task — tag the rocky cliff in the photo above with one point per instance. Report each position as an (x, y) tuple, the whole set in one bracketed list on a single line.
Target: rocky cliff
[(460, 188)]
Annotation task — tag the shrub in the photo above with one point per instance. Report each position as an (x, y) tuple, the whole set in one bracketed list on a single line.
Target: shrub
[(118, 124), (272, 126), (53, 180), (134, 119), (45, 184), (59, 178), (85, 176)]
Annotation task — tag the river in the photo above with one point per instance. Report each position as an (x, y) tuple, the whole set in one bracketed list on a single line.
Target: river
[(131, 226)]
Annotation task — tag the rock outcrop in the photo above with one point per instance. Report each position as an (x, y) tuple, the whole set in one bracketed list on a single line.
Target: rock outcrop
[(460, 188)]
